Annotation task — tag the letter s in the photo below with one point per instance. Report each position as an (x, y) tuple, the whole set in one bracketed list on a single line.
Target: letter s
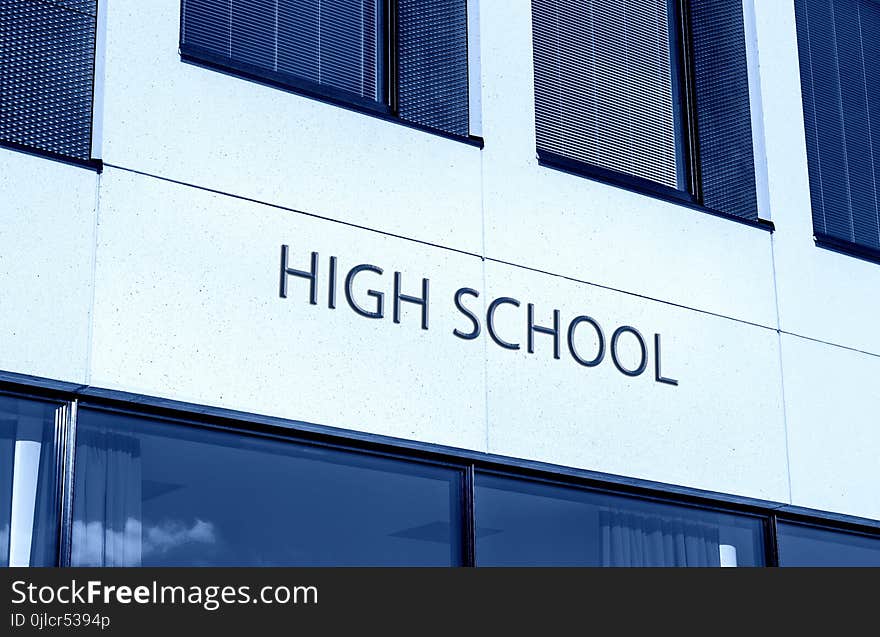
[(473, 317)]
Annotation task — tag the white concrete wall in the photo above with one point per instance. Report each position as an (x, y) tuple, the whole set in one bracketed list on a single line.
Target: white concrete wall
[(47, 227), (831, 393), (773, 340), (188, 307)]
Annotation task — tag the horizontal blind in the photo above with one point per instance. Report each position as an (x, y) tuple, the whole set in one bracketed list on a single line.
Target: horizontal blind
[(432, 64), (604, 87), (839, 45), (47, 64), (724, 123), (330, 43)]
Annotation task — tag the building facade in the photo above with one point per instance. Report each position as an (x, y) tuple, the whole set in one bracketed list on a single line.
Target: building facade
[(448, 283)]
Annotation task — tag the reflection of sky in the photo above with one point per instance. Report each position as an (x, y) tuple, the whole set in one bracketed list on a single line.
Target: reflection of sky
[(94, 545), (219, 498), (171, 534), (274, 509)]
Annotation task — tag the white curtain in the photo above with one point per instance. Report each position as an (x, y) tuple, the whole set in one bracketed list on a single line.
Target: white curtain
[(636, 539), (107, 506)]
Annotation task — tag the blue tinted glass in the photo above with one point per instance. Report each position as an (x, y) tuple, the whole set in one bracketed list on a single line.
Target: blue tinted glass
[(520, 523), (148, 492), (28, 496), (809, 546)]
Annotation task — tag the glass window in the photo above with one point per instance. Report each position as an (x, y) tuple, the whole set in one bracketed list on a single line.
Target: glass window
[(28, 484), (801, 545), (47, 56), (151, 493), (839, 46), (523, 523), (648, 94), (409, 63)]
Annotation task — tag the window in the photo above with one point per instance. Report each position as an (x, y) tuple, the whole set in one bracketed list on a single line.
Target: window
[(649, 95), (406, 59), (28, 487), (839, 46), (199, 489), (804, 545), (47, 60), (154, 493), (528, 523)]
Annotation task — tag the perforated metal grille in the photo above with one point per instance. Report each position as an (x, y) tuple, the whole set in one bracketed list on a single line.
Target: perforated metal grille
[(433, 64), (603, 85), (727, 158), (839, 45), (47, 56)]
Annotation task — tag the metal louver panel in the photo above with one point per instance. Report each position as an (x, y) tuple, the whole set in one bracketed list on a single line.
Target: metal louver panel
[(727, 158), (839, 45), (433, 65), (604, 85), (47, 58), (327, 43)]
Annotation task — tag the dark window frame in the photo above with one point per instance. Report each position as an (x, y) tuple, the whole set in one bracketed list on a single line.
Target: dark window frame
[(387, 77), (71, 396), (687, 135)]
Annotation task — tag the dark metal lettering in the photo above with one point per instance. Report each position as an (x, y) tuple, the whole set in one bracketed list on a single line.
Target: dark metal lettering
[(642, 364), (311, 275), (379, 296), (490, 320), (571, 348), (475, 332), (658, 375), (415, 300), (532, 328)]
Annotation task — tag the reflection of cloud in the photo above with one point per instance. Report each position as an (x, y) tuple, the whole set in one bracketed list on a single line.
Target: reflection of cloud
[(4, 544), (93, 545), (170, 534)]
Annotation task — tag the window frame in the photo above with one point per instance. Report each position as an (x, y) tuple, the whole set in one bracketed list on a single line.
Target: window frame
[(387, 76), (687, 135)]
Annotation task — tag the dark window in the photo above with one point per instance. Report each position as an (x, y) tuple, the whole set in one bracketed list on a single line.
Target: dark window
[(47, 61), (839, 46), (404, 58), (154, 493), (652, 95), (802, 545), (29, 497), (526, 523)]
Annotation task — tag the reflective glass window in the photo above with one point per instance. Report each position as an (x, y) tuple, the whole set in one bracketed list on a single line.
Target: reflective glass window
[(150, 492)]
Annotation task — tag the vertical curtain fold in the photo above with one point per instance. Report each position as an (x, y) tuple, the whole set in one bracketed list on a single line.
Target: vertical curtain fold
[(107, 509), (635, 539)]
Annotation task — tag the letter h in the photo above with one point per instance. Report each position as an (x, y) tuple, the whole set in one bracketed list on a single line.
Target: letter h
[(311, 275)]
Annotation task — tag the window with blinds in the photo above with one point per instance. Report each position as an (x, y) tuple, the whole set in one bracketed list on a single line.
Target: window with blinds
[(652, 94), (403, 58), (47, 68), (839, 45)]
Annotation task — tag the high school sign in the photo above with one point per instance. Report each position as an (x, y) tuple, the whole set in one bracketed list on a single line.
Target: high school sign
[(374, 306)]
